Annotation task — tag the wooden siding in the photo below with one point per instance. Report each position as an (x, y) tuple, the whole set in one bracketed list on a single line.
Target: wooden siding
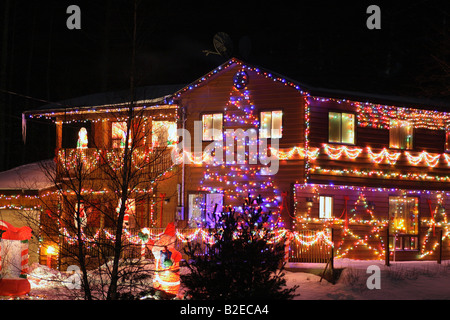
[(366, 208), (362, 170)]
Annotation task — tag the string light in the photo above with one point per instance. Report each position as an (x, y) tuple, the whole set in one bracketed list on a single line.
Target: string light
[(384, 154), (430, 160), (336, 152)]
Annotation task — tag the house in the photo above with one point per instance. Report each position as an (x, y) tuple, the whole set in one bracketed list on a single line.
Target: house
[(373, 169), (19, 200)]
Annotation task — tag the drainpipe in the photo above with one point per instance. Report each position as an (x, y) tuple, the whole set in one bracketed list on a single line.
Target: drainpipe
[(183, 119)]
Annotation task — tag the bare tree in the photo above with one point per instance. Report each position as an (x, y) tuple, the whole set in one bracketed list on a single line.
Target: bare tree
[(86, 213)]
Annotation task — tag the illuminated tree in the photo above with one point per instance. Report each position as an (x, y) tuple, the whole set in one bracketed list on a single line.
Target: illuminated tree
[(241, 170), (244, 260)]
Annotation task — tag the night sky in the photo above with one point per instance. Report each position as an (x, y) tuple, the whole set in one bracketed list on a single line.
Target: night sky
[(325, 44)]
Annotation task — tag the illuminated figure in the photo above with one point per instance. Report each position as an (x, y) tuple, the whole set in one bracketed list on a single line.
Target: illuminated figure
[(167, 262), (82, 142)]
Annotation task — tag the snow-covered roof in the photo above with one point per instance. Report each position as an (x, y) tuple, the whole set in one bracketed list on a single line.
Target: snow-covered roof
[(143, 95), (30, 176)]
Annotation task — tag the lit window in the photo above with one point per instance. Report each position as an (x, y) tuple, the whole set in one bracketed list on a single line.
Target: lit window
[(325, 207), (341, 127), (404, 215), (400, 134), (118, 134), (164, 133), (212, 126), (271, 124), (204, 209)]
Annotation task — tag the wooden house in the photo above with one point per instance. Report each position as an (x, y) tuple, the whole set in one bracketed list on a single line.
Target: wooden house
[(373, 169)]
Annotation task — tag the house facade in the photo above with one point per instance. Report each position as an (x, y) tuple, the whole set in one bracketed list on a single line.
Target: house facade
[(373, 170)]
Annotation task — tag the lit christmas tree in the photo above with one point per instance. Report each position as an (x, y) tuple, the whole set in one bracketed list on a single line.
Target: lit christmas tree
[(240, 173)]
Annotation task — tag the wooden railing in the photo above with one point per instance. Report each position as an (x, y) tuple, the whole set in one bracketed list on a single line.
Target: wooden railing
[(310, 246), (91, 161)]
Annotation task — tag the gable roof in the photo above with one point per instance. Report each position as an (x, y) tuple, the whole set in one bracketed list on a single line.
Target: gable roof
[(310, 90), (167, 93)]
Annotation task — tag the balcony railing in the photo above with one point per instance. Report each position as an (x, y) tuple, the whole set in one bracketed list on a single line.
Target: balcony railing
[(91, 161)]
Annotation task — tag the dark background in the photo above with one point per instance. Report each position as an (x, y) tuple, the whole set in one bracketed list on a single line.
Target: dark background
[(325, 44)]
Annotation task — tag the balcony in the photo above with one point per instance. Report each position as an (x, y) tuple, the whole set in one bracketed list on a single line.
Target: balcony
[(93, 163)]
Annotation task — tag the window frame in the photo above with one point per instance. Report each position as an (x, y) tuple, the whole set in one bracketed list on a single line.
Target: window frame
[(156, 142), (271, 123), (211, 138), (355, 126), (203, 214), (320, 207), (113, 139), (391, 217), (404, 241), (411, 147)]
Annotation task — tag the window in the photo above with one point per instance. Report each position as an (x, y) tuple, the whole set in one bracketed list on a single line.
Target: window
[(404, 215), (201, 209), (325, 207), (404, 223), (164, 133), (341, 127), (271, 124), (212, 126), (400, 134), (118, 134)]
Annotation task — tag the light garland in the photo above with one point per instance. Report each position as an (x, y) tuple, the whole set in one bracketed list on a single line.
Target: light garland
[(368, 115), (430, 160), (384, 154), (367, 173), (290, 154), (377, 225), (336, 152)]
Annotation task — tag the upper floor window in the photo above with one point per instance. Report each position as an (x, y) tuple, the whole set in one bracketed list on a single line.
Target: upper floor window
[(341, 127), (164, 133), (212, 126), (400, 134), (271, 124), (118, 134), (325, 207)]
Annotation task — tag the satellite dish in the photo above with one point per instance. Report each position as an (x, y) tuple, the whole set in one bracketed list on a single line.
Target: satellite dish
[(223, 45)]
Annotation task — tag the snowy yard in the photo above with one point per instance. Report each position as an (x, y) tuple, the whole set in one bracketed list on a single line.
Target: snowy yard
[(425, 280)]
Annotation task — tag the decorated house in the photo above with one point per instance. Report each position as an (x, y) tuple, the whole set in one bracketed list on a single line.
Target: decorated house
[(370, 174)]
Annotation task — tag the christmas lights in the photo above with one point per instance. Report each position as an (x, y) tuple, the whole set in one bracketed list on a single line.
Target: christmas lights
[(430, 160), (336, 152), (384, 154)]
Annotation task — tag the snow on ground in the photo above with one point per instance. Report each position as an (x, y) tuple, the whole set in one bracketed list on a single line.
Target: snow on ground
[(418, 280), (424, 280)]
